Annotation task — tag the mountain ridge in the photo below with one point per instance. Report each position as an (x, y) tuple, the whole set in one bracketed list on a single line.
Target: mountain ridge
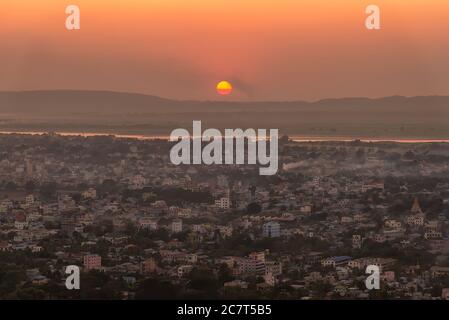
[(103, 100)]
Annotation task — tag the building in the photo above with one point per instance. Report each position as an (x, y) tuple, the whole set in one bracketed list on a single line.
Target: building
[(389, 276), (248, 266), (176, 226), (68, 222), (362, 263), (29, 200), (275, 268), (313, 258), (191, 258), (357, 241), (137, 182), (316, 182), (415, 220), (445, 294), (4, 246), (184, 270), (39, 280), (393, 224), (373, 185), (148, 223), (20, 225), (236, 284), (271, 230), (437, 271), (223, 203), (149, 266), (432, 235), (92, 261), (29, 167), (416, 208), (335, 261), (90, 193), (306, 209), (259, 256), (269, 279)]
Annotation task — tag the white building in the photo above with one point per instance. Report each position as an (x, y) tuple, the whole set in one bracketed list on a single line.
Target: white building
[(184, 270), (431, 235), (394, 224), (415, 220), (148, 223), (176, 226), (20, 225), (223, 203), (335, 261), (29, 200), (271, 230), (357, 241)]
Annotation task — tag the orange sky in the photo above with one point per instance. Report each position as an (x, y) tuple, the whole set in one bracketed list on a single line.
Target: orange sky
[(268, 49)]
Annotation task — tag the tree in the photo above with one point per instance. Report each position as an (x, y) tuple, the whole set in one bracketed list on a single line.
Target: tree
[(30, 186), (203, 281), (98, 285), (224, 274), (108, 186), (9, 278), (48, 190), (156, 289), (31, 293), (10, 186), (321, 288), (253, 208)]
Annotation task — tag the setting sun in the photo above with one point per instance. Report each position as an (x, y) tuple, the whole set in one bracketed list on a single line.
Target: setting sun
[(224, 88)]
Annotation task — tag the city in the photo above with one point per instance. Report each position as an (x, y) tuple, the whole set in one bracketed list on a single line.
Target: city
[(140, 227)]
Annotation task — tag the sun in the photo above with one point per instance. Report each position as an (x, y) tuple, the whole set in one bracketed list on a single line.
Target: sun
[(224, 88)]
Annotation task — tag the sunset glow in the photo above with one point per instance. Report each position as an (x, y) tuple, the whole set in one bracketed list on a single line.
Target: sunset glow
[(269, 50)]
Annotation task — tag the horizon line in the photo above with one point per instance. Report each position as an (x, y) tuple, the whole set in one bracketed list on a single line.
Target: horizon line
[(223, 101)]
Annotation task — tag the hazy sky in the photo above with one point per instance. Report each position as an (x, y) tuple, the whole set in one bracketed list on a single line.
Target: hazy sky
[(268, 49)]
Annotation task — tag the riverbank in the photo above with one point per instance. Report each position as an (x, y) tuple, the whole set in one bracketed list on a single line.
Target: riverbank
[(293, 138)]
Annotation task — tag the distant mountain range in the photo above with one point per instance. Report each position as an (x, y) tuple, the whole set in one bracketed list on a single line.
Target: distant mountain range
[(66, 110), (119, 102)]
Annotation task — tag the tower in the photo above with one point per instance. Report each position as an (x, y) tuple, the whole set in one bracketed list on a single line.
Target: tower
[(416, 208)]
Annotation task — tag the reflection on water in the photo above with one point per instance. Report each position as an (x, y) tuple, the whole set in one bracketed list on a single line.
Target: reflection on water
[(294, 138), (91, 134), (318, 139)]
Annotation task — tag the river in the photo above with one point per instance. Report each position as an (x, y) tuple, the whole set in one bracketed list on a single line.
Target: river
[(294, 138)]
